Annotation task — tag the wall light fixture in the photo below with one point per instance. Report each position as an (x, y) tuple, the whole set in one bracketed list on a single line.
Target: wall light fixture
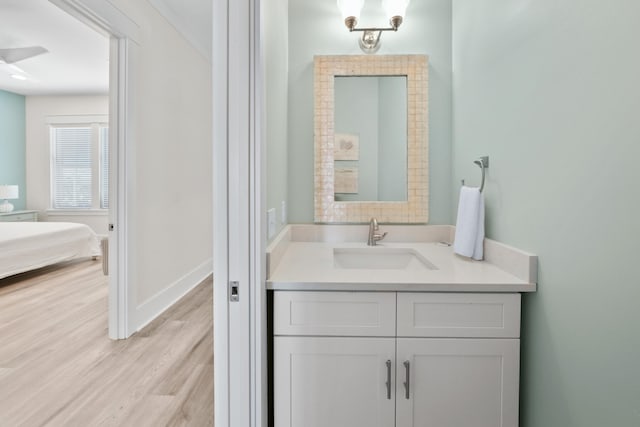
[(370, 40)]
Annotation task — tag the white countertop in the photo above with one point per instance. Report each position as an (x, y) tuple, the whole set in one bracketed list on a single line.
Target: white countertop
[(310, 266)]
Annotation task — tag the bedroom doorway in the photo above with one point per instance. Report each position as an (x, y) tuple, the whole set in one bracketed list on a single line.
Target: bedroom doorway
[(62, 63), (122, 33)]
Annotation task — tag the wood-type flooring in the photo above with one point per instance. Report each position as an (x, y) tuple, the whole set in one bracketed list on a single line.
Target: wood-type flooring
[(59, 368)]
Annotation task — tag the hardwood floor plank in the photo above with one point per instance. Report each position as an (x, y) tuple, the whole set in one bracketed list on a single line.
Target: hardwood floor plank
[(187, 407), (59, 368), (171, 385)]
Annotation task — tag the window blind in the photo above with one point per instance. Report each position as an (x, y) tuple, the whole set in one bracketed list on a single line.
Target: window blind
[(104, 167), (72, 168)]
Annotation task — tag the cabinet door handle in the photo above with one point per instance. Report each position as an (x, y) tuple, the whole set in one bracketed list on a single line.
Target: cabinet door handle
[(407, 384), (388, 383)]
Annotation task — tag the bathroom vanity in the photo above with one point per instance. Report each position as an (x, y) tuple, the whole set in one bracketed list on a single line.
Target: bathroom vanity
[(402, 334)]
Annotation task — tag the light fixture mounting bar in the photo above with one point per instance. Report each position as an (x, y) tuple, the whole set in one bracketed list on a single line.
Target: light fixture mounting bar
[(372, 29), (352, 21), (370, 41)]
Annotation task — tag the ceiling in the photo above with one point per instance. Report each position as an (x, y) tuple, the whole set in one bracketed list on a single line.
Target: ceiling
[(78, 58), (193, 19)]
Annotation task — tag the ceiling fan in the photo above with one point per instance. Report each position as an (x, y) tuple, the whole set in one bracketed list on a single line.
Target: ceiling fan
[(11, 55)]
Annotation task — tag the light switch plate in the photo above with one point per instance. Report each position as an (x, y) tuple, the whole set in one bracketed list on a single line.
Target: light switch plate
[(271, 222)]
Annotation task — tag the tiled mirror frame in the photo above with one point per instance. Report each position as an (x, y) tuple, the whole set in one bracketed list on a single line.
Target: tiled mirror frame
[(416, 208)]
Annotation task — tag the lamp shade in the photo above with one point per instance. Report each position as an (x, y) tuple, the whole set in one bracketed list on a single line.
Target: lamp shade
[(395, 7), (350, 8), (9, 192)]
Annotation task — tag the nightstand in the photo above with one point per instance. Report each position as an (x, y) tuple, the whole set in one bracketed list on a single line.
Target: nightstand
[(19, 216)]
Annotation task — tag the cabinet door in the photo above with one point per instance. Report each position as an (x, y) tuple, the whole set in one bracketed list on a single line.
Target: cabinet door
[(334, 382), (457, 382)]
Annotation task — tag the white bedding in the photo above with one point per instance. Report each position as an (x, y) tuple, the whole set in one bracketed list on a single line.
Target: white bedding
[(26, 246)]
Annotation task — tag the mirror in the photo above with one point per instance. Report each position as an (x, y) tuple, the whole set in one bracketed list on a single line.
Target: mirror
[(371, 139), (370, 146)]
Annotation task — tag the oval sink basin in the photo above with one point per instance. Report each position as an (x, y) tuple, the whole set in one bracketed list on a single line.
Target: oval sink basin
[(380, 258)]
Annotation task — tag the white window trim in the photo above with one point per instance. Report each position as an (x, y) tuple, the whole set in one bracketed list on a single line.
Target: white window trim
[(77, 212), (77, 120), (88, 120)]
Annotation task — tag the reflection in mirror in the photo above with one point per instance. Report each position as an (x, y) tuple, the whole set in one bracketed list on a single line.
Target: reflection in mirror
[(342, 143), (370, 149)]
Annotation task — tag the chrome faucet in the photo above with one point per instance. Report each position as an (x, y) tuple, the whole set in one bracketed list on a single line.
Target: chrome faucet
[(373, 236)]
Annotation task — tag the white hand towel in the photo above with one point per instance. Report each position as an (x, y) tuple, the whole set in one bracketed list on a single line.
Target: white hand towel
[(470, 224)]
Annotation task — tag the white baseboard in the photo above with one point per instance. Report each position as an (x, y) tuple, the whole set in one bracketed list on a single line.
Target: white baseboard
[(156, 305)]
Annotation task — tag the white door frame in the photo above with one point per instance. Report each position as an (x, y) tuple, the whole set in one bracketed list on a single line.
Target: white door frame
[(240, 366), (123, 33)]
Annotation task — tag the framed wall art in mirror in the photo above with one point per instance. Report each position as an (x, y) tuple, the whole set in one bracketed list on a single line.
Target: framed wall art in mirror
[(388, 117)]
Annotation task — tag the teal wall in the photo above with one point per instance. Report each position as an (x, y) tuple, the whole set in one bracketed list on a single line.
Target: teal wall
[(375, 109), (393, 133), (275, 39), (550, 91), (12, 144), (353, 114), (316, 28)]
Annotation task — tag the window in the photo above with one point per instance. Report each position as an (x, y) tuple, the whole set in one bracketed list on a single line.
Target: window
[(104, 167), (79, 166)]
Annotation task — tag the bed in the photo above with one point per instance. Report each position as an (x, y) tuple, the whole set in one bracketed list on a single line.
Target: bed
[(27, 246)]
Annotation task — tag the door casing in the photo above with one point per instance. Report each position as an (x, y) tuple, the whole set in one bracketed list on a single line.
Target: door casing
[(240, 364), (123, 34)]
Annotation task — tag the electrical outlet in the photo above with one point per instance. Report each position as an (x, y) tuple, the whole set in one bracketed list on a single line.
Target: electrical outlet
[(271, 222), (283, 213)]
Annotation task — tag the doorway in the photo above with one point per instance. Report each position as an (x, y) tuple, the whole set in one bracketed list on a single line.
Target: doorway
[(108, 20), (59, 68)]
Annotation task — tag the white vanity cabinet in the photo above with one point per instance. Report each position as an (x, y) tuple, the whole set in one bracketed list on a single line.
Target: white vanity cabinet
[(333, 359), (334, 381), (396, 359), (457, 382)]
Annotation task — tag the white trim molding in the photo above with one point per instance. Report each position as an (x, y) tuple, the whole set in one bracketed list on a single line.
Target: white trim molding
[(121, 147), (77, 212), (220, 95), (240, 367), (156, 305), (102, 16), (124, 34), (77, 119)]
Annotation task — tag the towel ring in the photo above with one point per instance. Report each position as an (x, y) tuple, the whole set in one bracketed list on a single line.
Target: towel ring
[(483, 163)]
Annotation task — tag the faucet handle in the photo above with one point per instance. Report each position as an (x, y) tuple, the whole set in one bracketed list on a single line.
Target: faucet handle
[(378, 237)]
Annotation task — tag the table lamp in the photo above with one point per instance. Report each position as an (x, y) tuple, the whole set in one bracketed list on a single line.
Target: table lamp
[(8, 192)]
